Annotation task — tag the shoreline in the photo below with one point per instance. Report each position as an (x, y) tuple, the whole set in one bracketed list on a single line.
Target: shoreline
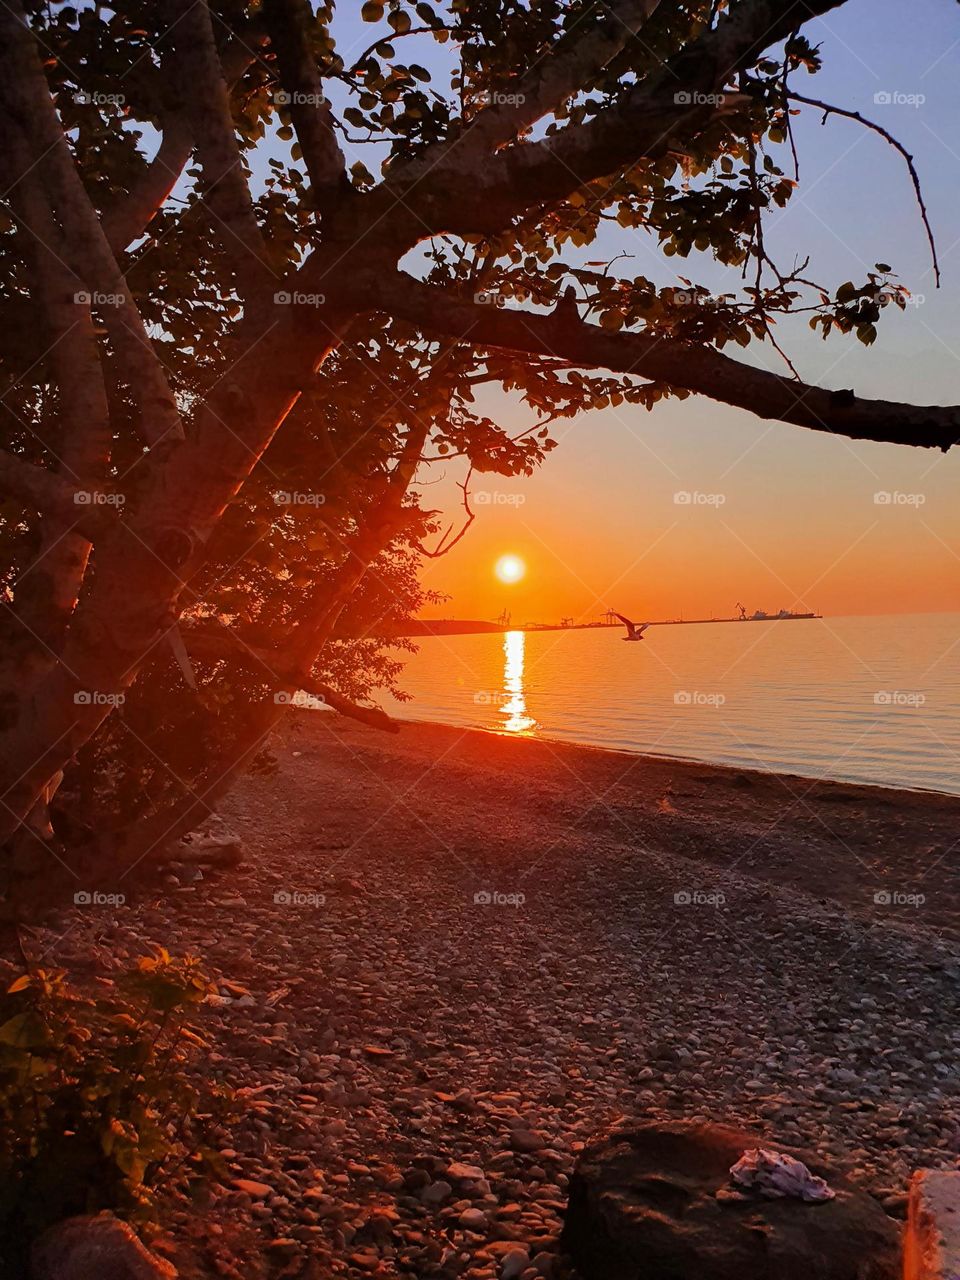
[(788, 708), (799, 778)]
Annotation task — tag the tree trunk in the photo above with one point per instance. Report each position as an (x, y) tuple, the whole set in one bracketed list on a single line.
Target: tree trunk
[(144, 566)]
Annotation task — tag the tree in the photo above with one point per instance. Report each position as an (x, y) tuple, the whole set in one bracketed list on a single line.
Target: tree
[(182, 328)]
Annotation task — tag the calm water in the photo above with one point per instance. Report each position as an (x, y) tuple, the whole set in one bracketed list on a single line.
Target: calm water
[(861, 699)]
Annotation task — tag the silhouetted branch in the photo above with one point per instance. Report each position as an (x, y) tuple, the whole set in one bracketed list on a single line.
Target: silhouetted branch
[(26, 98), (214, 642), (673, 361), (202, 83), (289, 23), (446, 543)]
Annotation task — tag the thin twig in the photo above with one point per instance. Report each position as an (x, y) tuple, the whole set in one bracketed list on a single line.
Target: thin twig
[(829, 110), (788, 124), (447, 543), (389, 39)]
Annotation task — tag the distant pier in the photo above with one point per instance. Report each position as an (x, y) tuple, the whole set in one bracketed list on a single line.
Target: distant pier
[(466, 626)]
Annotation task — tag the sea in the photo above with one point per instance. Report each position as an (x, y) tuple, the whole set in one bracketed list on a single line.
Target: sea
[(859, 699)]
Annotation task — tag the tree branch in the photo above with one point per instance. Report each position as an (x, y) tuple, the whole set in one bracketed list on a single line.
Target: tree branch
[(212, 642), (126, 220), (447, 543), (26, 94), (697, 368), (559, 74), (289, 24), (92, 513), (200, 76), (46, 597), (375, 717), (688, 95)]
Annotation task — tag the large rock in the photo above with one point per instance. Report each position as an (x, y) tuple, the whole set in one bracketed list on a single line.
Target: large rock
[(100, 1248), (643, 1206), (931, 1248)]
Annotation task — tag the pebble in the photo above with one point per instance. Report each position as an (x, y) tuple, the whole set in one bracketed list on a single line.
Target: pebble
[(527, 1140), (473, 1220), (259, 1190), (436, 1192), (514, 1264)]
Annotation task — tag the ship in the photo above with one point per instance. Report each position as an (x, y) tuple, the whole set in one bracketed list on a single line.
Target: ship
[(761, 615)]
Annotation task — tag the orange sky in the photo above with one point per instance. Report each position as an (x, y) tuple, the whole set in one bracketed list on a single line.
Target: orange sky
[(798, 524)]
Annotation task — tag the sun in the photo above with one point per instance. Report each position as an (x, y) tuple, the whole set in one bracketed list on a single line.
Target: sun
[(510, 569)]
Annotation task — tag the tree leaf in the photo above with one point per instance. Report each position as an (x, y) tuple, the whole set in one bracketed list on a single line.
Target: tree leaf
[(25, 1031)]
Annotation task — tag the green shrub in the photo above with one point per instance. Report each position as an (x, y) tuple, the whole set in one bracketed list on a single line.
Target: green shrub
[(96, 1111)]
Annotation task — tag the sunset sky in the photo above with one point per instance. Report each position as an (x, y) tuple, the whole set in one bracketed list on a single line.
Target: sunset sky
[(798, 524)]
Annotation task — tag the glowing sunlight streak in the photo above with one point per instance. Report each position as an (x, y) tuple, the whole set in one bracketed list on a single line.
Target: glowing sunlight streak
[(513, 707)]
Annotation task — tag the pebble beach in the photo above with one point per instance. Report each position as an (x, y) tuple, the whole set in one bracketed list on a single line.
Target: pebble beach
[(448, 960)]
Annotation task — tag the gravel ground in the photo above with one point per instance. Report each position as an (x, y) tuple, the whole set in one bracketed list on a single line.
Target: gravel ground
[(420, 1065)]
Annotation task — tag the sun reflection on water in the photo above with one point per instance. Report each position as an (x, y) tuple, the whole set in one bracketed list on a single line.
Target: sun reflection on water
[(513, 705)]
